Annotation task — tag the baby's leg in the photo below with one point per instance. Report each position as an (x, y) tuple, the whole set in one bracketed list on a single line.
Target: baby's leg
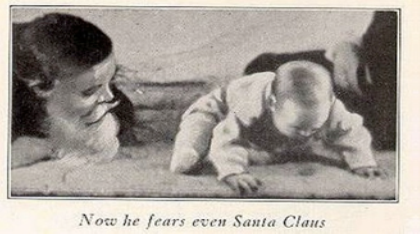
[(192, 142)]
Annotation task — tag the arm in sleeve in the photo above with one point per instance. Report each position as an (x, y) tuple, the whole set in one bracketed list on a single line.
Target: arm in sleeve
[(192, 141), (227, 151), (348, 136)]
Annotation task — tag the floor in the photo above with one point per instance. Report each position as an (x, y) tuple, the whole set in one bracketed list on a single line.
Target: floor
[(143, 173)]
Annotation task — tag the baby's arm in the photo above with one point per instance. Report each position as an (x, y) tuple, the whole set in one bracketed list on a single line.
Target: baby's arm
[(230, 156), (352, 140), (193, 138)]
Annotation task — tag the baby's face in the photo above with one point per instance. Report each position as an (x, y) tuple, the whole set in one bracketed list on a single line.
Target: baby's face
[(86, 97), (297, 122)]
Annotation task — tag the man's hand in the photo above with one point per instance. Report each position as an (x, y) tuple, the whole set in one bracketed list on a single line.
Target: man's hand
[(370, 172), (346, 59), (243, 184)]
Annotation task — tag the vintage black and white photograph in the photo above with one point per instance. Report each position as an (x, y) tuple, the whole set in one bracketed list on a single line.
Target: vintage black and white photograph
[(204, 103)]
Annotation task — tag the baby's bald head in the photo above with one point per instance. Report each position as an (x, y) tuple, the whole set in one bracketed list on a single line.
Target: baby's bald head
[(306, 83), (302, 98)]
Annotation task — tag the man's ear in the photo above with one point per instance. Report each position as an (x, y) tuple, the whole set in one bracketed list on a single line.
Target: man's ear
[(42, 93), (40, 88)]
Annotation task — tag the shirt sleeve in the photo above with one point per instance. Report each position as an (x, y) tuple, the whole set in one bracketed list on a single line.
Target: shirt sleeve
[(212, 104), (227, 151), (347, 135)]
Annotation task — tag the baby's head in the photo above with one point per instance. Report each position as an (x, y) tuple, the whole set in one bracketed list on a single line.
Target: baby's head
[(302, 98)]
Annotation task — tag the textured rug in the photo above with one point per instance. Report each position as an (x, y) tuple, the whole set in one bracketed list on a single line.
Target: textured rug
[(142, 172)]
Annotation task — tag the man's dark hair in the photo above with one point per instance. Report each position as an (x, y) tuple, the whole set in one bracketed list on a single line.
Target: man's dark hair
[(48, 48)]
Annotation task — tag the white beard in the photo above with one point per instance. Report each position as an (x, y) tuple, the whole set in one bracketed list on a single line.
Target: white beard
[(74, 140)]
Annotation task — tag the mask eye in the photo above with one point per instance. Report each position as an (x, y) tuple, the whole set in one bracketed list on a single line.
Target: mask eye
[(90, 91)]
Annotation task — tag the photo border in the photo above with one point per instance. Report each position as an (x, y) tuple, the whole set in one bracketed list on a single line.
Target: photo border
[(399, 11)]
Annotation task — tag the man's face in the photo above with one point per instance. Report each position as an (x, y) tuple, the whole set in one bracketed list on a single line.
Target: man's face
[(79, 120), (85, 98), (297, 122)]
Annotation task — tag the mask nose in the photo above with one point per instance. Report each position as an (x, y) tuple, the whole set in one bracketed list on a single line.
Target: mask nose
[(106, 95)]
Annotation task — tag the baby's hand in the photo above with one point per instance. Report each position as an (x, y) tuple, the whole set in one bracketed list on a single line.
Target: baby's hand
[(370, 172), (243, 184)]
